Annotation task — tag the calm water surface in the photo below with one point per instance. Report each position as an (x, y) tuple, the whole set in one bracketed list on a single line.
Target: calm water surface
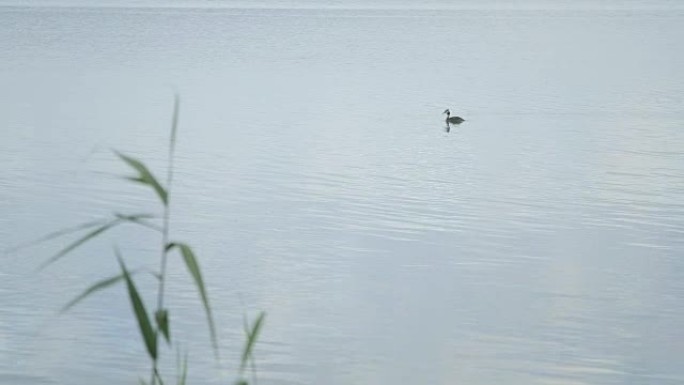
[(541, 242)]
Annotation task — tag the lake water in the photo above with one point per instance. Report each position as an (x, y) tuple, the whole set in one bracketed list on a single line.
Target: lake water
[(540, 242)]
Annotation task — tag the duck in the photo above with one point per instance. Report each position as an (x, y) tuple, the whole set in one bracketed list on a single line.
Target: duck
[(452, 119)]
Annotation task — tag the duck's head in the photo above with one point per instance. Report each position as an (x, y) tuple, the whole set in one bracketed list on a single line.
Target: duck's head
[(447, 112)]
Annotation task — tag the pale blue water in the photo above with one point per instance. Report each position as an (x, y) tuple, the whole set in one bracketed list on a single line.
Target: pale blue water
[(540, 242)]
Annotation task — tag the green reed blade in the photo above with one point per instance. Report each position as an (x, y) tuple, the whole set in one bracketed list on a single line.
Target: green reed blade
[(158, 376), (145, 176), (56, 234), (100, 285), (156, 275), (183, 375), (252, 336), (133, 217), (79, 242), (103, 226), (140, 219), (146, 329), (162, 318), (194, 269), (174, 125)]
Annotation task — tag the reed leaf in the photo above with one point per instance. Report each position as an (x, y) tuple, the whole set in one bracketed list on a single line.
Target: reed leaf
[(145, 177), (252, 336), (134, 217), (156, 275), (100, 285), (56, 234), (174, 127), (141, 220), (140, 312), (183, 374), (158, 376), (194, 269), (72, 246), (162, 318)]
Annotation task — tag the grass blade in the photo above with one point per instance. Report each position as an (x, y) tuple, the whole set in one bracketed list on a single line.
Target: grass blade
[(174, 125), (162, 317), (140, 312), (194, 269), (56, 234), (100, 285), (183, 375), (134, 217), (139, 220), (102, 227), (172, 141), (158, 376), (252, 336), (92, 234), (145, 177)]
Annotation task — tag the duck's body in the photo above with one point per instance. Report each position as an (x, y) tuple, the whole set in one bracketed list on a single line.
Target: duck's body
[(452, 119)]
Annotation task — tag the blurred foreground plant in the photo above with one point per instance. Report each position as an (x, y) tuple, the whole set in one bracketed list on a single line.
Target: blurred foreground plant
[(154, 324)]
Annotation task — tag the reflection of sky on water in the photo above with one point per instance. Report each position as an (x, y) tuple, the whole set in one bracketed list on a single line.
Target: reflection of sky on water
[(375, 4), (538, 242)]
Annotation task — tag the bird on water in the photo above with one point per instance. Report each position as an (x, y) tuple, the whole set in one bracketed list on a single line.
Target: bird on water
[(452, 119)]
